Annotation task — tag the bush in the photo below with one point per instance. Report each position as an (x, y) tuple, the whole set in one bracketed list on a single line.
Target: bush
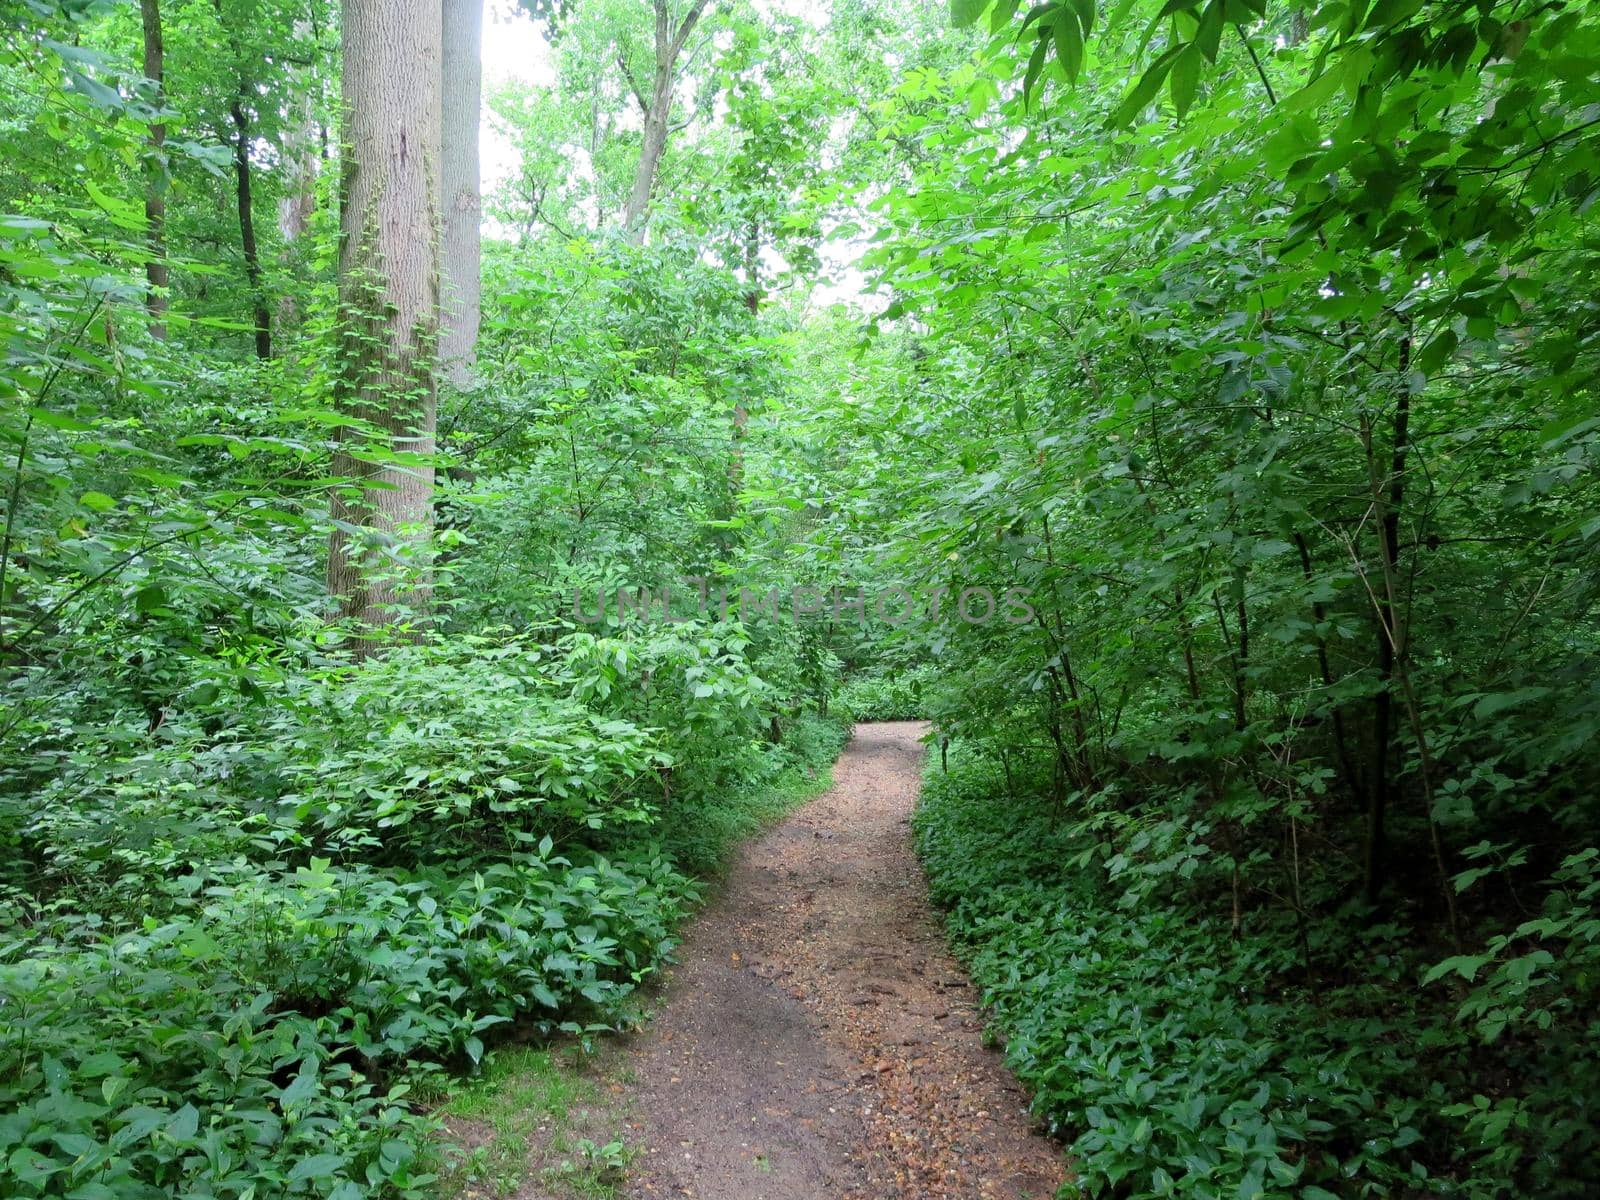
[(697, 829), (232, 943), (890, 696)]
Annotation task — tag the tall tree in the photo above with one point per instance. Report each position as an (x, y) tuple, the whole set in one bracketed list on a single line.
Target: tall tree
[(244, 197), (303, 148), (303, 140), (243, 173), (389, 300), (462, 76), (657, 108), (155, 203)]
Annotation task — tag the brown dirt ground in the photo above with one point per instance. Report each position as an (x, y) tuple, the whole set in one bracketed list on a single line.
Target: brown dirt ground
[(817, 1042)]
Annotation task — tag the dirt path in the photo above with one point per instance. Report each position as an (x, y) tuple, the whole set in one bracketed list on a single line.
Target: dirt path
[(817, 1042)]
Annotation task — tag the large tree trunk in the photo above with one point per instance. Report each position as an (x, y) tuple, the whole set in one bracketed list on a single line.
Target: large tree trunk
[(462, 72), (388, 299), (654, 144), (155, 203), (657, 108), (247, 229), (299, 199)]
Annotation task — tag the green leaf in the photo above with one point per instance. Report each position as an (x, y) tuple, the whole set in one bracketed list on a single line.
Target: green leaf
[(1069, 43), (105, 97), (183, 1124), (1036, 61), (1000, 16), (31, 1167), (101, 1064), (318, 1166), (1464, 965), (1209, 34), (967, 12), (1437, 352), (1185, 78), (300, 1089), (1145, 90), (1501, 701)]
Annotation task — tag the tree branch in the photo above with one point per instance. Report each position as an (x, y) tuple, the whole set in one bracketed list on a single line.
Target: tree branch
[(633, 84), (684, 30)]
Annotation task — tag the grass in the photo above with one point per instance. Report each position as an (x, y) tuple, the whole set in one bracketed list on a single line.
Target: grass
[(535, 1115)]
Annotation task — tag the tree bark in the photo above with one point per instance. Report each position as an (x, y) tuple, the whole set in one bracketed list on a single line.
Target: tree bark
[(462, 75), (388, 304), (156, 273), (247, 229), (741, 414), (657, 108), (298, 144)]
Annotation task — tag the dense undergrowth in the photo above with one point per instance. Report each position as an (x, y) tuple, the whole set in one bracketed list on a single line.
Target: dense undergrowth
[(1178, 1058), (241, 946), (883, 695)]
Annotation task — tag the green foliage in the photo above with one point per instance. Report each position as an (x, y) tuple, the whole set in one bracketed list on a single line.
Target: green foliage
[(255, 887), (429, 752), (1179, 1059), (884, 695), (196, 937), (698, 830), (262, 1009), (1254, 343)]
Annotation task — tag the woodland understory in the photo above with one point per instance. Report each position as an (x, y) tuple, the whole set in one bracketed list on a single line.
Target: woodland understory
[(1189, 407)]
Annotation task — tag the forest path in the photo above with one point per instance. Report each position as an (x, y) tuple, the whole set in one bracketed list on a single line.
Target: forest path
[(817, 1042)]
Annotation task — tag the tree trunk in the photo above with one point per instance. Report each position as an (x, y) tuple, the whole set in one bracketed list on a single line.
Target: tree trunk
[(299, 201), (247, 230), (155, 204), (741, 413), (752, 265), (654, 144), (462, 74), (299, 147), (388, 302), (657, 108), (1391, 638)]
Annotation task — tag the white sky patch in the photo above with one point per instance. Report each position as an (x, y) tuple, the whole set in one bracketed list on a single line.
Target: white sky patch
[(515, 49)]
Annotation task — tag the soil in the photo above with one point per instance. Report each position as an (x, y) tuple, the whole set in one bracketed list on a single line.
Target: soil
[(817, 1041)]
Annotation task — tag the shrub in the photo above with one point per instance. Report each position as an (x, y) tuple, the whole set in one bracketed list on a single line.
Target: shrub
[(889, 696), (231, 943)]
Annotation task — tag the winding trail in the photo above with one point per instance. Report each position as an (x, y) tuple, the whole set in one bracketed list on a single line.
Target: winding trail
[(817, 1042)]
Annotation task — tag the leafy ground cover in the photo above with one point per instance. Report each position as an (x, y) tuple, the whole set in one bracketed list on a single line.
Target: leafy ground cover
[(241, 998), (1179, 1059), (557, 1115)]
